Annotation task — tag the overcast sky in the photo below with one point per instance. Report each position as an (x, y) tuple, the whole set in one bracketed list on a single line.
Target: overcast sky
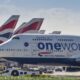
[(59, 15)]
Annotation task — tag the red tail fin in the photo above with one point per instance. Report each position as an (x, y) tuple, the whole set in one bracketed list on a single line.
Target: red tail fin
[(10, 23), (6, 30), (34, 24)]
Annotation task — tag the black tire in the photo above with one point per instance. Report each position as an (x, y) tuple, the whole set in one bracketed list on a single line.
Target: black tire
[(40, 72), (33, 74), (14, 73)]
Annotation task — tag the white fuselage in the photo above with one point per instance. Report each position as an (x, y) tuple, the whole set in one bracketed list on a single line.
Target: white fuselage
[(42, 48)]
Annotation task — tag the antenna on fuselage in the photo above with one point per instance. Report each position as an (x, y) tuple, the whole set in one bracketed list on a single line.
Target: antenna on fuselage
[(56, 32)]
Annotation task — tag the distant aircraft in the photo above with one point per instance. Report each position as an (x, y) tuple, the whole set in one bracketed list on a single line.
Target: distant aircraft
[(31, 26), (7, 28), (42, 49)]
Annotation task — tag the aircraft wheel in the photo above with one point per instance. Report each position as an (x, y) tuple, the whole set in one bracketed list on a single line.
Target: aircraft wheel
[(33, 74), (15, 73)]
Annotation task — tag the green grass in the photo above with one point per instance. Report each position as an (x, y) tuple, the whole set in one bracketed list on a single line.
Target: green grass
[(38, 78)]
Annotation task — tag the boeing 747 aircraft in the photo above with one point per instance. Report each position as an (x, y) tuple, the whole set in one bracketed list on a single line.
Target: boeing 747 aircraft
[(42, 49)]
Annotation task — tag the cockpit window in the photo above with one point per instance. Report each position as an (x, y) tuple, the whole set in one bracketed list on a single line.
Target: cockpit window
[(16, 38)]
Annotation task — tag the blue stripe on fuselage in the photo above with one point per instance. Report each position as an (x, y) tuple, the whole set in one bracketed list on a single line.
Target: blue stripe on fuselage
[(62, 61)]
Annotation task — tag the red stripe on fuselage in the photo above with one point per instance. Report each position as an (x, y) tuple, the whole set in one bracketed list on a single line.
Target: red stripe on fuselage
[(44, 53)]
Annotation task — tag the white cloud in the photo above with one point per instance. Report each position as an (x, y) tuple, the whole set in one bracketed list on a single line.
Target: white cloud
[(54, 19)]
